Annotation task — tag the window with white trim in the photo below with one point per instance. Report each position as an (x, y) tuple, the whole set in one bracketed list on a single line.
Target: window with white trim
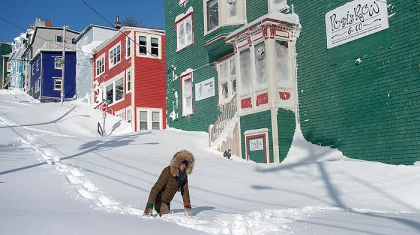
[(260, 65), (276, 5), (100, 65), (128, 47), (187, 95), (223, 12), (57, 62), (115, 55), (37, 65), (128, 115), (149, 46), (128, 80), (149, 119), (184, 31), (227, 80), (33, 69), (120, 114), (58, 82), (37, 86), (245, 70), (283, 64), (114, 91)]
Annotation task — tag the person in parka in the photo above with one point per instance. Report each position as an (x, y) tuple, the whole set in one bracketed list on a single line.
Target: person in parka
[(172, 179)]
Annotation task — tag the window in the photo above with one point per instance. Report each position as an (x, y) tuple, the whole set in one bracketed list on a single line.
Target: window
[(155, 46), (143, 45), (212, 14), (184, 32), (245, 64), (143, 120), (227, 80), (110, 93), (119, 89), (37, 65), (260, 64), (57, 62), (114, 56), (155, 120), (149, 119), (37, 86), (120, 115), (58, 38), (283, 65), (33, 69), (223, 12), (128, 115), (73, 41), (187, 103), (128, 81), (100, 65), (149, 46), (277, 5), (128, 47), (57, 84)]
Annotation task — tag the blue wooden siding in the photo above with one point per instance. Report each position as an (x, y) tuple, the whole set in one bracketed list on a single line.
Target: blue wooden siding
[(35, 76), (49, 73)]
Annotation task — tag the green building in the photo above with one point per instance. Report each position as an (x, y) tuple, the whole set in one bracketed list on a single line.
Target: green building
[(5, 66), (249, 72)]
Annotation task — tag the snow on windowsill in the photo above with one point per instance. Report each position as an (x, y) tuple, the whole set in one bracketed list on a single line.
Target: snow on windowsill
[(190, 9)]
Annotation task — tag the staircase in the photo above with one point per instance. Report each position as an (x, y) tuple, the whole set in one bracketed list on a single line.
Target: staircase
[(223, 134)]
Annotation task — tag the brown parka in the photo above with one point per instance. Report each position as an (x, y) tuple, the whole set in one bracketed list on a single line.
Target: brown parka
[(165, 188)]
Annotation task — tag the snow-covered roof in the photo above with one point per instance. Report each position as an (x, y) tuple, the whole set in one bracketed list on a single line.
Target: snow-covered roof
[(92, 26), (276, 15), (88, 49)]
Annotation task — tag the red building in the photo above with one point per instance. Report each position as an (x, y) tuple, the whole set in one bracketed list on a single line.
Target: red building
[(129, 72)]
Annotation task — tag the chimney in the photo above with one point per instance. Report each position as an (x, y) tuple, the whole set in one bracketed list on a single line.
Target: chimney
[(38, 19), (117, 23), (32, 26), (48, 23)]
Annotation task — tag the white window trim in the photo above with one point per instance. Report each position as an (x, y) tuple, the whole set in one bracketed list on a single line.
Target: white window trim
[(129, 39), (55, 63), (149, 117), (37, 64), (149, 45), (101, 57), (129, 116), (57, 78), (231, 94), (223, 21), (178, 24), (112, 81), (111, 65), (183, 78), (280, 7), (120, 112), (127, 87)]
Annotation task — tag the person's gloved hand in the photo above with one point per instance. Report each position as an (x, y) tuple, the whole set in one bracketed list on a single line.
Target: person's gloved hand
[(149, 209), (187, 208)]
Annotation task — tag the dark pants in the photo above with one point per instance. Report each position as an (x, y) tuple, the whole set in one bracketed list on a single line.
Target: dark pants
[(162, 208)]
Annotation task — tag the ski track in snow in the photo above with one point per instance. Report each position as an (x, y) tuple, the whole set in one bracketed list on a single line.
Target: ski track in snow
[(267, 221)]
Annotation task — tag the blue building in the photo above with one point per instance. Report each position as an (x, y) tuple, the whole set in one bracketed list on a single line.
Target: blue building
[(45, 74)]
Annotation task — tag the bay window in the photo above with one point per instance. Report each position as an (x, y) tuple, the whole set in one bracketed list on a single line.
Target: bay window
[(227, 80), (260, 63), (245, 69), (283, 65)]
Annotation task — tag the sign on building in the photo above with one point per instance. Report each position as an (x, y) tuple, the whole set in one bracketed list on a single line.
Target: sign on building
[(355, 20), (204, 89)]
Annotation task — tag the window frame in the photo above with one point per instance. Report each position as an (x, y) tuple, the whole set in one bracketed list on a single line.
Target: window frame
[(112, 82), (149, 45), (58, 36), (110, 60), (223, 19), (37, 85), (128, 82), (98, 59), (183, 20), (55, 62), (128, 44), (229, 79), (61, 83), (128, 115), (149, 112), (184, 77)]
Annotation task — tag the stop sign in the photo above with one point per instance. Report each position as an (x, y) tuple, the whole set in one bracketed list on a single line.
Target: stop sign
[(104, 107)]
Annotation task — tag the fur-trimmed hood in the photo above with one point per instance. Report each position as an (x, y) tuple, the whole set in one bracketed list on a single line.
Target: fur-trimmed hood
[(178, 158)]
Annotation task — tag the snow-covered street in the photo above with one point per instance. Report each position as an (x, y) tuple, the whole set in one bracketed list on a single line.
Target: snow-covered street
[(58, 176)]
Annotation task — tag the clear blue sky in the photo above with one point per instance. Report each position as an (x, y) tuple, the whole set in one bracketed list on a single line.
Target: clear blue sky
[(76, 14)]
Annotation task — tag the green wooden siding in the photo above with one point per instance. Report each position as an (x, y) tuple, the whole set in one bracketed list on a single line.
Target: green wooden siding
[(286, 129), (194, 57), (370, 110), (257, 121), (256, 9)]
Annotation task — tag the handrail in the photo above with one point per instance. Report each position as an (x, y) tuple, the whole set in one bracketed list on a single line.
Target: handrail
[(229, 112)]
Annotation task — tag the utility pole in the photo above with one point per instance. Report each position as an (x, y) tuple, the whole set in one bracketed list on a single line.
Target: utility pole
[(63, 62)]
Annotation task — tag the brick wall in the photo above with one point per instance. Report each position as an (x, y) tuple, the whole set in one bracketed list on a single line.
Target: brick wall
[(371, 110)]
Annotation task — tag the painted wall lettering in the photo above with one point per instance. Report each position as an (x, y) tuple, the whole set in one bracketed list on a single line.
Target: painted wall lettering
[(355, 20)]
